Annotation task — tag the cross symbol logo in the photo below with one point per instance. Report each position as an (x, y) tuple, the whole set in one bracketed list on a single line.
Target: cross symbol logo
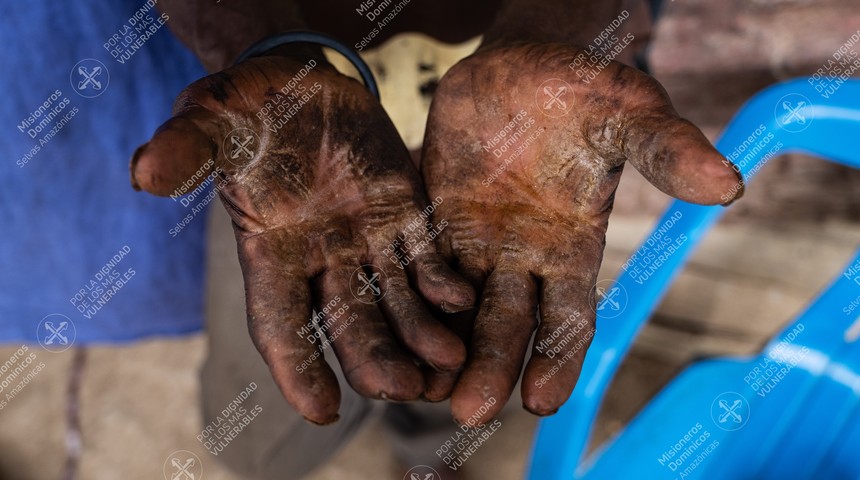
[(89, 78), (730, 411), (555, 99), (608, 298), (794, 113), (183, 465), (366, 288), (241, 147), (422, 472), (369, 283), (182, 472), (56, 333)]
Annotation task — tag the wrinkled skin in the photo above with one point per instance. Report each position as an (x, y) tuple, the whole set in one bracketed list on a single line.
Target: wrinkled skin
[(324, 195), (531, 237)]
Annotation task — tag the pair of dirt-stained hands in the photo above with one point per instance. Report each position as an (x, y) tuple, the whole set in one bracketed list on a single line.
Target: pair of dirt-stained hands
[(335, 187)]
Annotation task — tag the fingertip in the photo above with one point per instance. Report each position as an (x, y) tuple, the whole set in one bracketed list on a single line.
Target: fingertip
[(542, 401), (398, 381), (540, 409), (441, 286), (466, 303), (677, 158), (314, 393), (476, 402), (132, 166), (461, 296), (736, 188), (474, 410), (438, 385), (178, 153), (719, 181), (321, 422), (455, 352)]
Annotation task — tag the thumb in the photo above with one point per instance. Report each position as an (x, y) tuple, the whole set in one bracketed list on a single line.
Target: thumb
[(674, 155), (179, 152)]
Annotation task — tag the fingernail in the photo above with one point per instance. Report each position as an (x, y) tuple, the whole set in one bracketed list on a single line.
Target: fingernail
[(333, 419), (741, 184), (540, 414), (132, 166), (449, 307)]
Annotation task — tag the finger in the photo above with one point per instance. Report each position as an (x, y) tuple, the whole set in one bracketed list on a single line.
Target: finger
[(414, 326), (563, 336), (438, 385), (179, 156), (473, 264), (676, 157), (471, 267), (279, 310), (501, 335), (372, 361), (438, 284), (415, 250)]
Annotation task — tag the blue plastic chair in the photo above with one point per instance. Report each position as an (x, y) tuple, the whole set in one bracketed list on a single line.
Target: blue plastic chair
[(808, 424)]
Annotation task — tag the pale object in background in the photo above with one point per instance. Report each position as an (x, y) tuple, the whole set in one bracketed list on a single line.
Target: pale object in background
[(408, 68)]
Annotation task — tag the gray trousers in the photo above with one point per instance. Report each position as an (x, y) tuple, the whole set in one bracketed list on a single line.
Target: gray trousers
[(278, 443)]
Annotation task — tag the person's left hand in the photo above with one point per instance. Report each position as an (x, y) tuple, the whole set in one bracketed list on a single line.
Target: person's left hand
[(527, 155)]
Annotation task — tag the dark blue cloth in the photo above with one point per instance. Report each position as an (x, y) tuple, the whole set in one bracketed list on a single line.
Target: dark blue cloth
[(69, 209)]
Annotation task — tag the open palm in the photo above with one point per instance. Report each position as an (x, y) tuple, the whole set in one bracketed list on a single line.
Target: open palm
[(527, 153)]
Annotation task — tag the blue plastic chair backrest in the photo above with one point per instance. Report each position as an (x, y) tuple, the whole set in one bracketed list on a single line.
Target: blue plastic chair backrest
[(788, 117), (802, 414), (805, 428)]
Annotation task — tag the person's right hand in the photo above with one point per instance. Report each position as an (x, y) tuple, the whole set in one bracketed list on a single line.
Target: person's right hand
[(326, 193)]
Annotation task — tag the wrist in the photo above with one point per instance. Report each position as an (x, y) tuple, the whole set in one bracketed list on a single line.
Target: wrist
[(299, 52), (280, 45)]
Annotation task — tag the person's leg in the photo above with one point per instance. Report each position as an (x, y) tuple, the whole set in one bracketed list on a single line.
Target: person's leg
[(419, 430), (278, 443)]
